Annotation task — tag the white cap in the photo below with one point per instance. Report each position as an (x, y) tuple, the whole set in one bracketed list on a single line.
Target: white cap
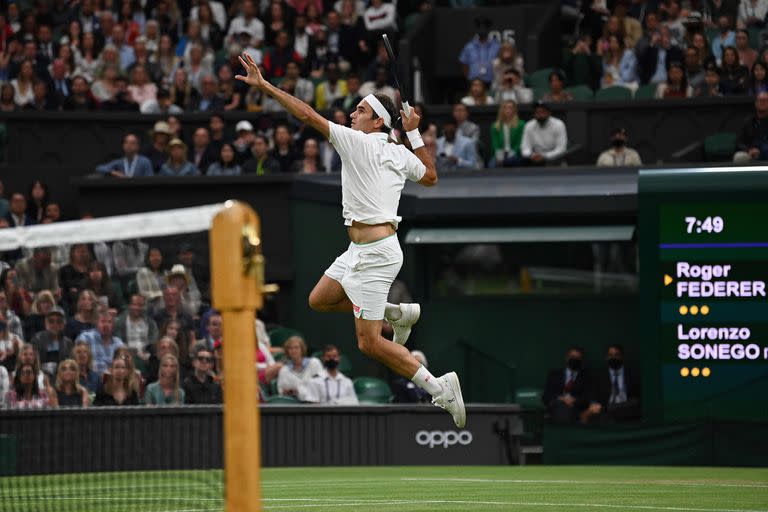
[(243, 125)]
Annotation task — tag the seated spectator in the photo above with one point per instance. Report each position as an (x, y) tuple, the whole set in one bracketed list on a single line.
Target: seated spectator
[(711, 86), (284, 151), (747, 55), (227, 163), (759, 79), (80, 99), (380, 17), (582, 65), (464, 126), (10, 344), (752, 13), (694, 69), (141, 89), (511, 88), (150, 278), (270, 105), (619, 155), (379, 85), (183, 95), (349, 102), (544, 137), (304, 89), (619, 65), (37, 272), (566, 393), (72, 276), (213, 327), (310, 163), (69, 392), (654, 61), (557, 92), (209, 99), (26, 393), (132, 165), (88, 378), (725, 38), (28, 355), (17, 211), (16, 295), (477, 95), (506, 136), (162, 105), (200, 154), (298, 369), (157, 151), (261, 161), (244, 140), (99, 282), (733, 77), (699, 41), (276, 60), (180, 276), (23, 84), (405, 391), (331, 386), (197, 64), (105, 87), (507, 58), (35, 322), (165, 345), (615, 394), (121, 100), (752, 144), (167, 389), (454, 151), (42, 100), (200, 387), (86, 309), (121, 386), (177, 164), (676, 85), (37, 199), (102, 341), (331, 89), (7, 102), (171, 309), (477, 55), (247, 20), (51, 344), (218, 135), (136, 328), (53, 214)]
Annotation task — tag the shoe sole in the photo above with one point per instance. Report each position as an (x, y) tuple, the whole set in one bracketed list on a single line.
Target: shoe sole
[(454, 381), (408, 333)]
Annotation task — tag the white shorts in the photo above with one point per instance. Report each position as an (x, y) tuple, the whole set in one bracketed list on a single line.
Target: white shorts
[(366, 272)]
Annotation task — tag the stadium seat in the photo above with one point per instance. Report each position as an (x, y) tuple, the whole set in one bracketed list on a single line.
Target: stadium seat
[(720, 147), (278, 335), (285, 400), (615, 93), (529, 398), (538, 92), (755, 39), (540, 79), (645, 92), (581, 92), (371, 390)]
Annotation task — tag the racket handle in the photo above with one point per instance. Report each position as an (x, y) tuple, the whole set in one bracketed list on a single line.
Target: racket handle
[(406, 109)]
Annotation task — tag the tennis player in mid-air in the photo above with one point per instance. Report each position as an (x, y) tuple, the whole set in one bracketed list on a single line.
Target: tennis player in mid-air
[(373, 173)]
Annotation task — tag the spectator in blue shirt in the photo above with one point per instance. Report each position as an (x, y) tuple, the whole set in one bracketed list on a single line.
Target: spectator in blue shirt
[(478, 54), (132, 165), (726, 37), (177, 164), (103, 344)]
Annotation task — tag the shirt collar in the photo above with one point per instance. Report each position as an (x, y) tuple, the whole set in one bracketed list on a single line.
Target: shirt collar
[(379, 135)]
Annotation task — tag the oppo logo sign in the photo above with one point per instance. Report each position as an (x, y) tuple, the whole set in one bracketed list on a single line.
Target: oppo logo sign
[(444, 438)]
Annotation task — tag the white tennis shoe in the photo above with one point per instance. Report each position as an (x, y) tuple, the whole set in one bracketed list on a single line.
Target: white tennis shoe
[(450, 399), (409, 315)]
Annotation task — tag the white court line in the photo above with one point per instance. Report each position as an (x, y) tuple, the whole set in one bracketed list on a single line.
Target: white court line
[(595, 482)]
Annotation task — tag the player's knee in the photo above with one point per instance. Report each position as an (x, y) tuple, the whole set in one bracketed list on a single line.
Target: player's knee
[(367, 343)]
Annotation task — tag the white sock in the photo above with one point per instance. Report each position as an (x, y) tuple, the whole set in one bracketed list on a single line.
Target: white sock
[(427, 381), (392, 311)]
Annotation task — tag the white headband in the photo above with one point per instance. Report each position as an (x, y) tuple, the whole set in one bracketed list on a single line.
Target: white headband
[(377, 107)]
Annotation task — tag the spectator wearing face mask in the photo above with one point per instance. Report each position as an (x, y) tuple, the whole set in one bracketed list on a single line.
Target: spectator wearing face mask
[(566, 391), (615, 391), (334, 387), (619, 154)]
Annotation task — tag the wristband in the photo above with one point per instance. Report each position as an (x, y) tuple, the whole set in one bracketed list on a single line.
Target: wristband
[(415, 139)]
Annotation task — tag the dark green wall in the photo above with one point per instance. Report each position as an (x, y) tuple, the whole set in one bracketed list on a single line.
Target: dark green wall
[(514, 340)]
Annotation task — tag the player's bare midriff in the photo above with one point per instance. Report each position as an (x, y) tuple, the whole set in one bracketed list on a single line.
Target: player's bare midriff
[(367, 233)]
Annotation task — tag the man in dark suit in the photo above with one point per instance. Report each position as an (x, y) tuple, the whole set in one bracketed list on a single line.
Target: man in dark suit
[(615, 392), (655, 59), (59, 85), (200, 152), (47, 49), (17, 215), (209, 100), (566, 392)]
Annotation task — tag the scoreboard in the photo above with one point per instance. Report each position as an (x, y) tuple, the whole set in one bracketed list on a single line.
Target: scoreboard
[(704, 306)]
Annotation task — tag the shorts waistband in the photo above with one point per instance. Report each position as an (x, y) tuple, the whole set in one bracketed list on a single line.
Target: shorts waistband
[(380, 240)]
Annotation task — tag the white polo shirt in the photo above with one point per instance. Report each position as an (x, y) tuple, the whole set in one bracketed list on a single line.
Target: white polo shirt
[(373, 173)]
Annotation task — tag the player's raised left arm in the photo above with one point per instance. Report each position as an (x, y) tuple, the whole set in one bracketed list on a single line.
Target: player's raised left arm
[(411, 127), (294, 106)]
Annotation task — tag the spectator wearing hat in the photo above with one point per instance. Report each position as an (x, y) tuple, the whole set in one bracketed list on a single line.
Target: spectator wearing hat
[(177, 163), (244, 140), (619, 155), (544, 137), (157, 151), (478, 55), (132, 165), (200, 386), (196, 272), (179, 278), (51, 343)]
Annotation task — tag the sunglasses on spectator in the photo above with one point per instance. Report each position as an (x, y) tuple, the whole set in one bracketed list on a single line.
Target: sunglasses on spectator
[(204, 359)]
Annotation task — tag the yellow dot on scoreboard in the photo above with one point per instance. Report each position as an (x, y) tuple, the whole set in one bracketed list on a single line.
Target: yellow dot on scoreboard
[(694, 310), (684, 371), (704, 310), (683, 310), (695, 372), (705, 372)]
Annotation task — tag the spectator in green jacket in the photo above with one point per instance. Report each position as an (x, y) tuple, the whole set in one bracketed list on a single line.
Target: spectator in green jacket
[(506, 136)]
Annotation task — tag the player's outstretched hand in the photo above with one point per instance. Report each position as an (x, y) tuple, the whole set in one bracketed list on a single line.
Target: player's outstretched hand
[(254, 77), (410, 121)]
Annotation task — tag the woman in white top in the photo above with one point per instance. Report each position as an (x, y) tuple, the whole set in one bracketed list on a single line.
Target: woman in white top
[(477, 96), (141, 88), (298, 369), (86, 56), (22, 84)]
